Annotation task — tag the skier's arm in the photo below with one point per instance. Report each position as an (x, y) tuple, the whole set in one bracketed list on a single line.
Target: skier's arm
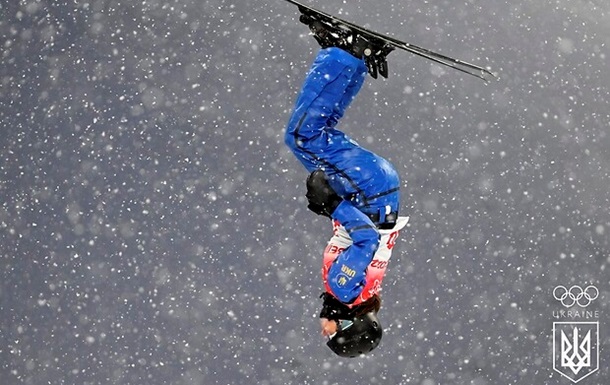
[(346, 277)]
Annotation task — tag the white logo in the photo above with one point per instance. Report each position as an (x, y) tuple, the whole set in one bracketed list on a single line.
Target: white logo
[(576, 349), (575, 295)]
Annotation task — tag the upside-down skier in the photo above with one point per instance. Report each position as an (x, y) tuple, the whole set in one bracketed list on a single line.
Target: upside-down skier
[(356, 188)]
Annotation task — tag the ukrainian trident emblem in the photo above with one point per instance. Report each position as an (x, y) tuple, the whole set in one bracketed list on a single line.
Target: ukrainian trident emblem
[(575, 349)]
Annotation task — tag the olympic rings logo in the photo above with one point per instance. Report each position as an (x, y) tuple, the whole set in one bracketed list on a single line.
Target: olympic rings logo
[(575, 295)]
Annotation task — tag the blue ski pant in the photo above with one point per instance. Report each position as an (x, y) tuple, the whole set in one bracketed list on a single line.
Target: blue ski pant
[(360, 176)]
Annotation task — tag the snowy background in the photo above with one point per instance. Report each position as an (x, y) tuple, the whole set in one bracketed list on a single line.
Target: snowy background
[(153, 227)]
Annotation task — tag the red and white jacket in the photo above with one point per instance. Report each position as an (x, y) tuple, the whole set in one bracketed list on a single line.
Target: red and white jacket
[(375, 270)]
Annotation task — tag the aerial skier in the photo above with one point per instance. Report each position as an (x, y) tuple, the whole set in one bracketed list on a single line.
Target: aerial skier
[(356, 188)]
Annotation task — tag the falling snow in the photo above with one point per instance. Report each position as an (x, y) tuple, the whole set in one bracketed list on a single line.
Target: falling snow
[(153, 226)]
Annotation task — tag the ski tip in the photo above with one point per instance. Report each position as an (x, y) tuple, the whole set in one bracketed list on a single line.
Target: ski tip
[(488, 76)]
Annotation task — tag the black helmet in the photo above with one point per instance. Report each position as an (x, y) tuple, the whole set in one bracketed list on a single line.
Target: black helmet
[(357, 336)]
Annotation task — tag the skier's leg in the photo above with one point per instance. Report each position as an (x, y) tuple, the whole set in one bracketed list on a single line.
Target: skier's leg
[(329, 87), (354, 86)]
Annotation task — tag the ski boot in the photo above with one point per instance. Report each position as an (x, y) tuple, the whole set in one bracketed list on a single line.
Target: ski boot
[(373, 53), (325, 35), (376, 62), (329, 35)]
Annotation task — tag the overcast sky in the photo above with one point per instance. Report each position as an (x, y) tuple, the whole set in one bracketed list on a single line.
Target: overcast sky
[(153, 225)]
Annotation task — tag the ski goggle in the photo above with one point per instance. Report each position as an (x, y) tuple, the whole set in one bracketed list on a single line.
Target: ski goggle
[(342, 324)]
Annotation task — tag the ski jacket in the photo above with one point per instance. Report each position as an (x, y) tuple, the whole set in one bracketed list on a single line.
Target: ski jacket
[(351, 282)]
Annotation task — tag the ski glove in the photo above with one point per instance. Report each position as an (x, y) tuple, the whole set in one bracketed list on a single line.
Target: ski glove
[(333, 309), (323, 200)]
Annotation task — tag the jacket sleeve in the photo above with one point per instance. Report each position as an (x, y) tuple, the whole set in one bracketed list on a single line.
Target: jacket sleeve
[(346, 277)]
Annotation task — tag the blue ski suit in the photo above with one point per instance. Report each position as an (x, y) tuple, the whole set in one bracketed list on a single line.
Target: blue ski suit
[(367, 183)]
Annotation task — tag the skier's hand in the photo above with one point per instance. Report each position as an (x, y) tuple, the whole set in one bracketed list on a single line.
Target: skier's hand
[(321, 197)]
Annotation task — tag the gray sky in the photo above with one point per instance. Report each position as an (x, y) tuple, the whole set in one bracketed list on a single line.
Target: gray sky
[(153, 226)]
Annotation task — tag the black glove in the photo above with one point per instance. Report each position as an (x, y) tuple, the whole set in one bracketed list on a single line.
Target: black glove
[(323, 200), (333, 309)]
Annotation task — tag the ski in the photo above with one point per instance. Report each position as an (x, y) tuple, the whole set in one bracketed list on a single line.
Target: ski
[(375, 60)]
